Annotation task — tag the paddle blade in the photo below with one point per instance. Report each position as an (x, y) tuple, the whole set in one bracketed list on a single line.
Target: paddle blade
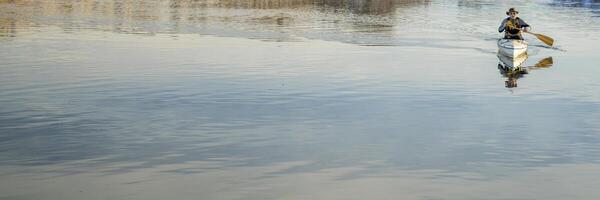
[(546, 62), (545, 39)]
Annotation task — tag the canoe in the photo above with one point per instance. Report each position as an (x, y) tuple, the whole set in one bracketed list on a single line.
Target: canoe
[(512, 62), (512, 47)]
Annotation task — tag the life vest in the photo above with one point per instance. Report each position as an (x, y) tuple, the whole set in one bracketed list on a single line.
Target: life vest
[(512, 27)]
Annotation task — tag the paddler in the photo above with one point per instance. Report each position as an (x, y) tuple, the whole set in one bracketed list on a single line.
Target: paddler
[(513, 25)]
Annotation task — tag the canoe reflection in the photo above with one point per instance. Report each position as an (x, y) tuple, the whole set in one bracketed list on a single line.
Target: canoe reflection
[(512, 68)]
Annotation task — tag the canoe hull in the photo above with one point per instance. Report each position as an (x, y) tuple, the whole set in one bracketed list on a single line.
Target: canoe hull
[(512, 62), (511, 47)]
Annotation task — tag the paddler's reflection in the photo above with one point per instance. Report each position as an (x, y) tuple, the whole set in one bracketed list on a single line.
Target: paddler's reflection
[(512, 75), (512, 68), (511, 82)]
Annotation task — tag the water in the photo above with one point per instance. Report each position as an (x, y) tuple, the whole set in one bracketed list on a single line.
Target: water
[(303, 99)]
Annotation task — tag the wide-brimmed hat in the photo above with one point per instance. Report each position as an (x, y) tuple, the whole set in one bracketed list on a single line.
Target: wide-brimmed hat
[(512, 10)]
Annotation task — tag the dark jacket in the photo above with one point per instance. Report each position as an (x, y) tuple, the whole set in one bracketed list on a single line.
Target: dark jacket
[(512, 28), (518, 22)]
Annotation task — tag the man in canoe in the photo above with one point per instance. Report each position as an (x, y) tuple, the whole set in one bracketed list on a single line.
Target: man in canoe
[(513, 25)]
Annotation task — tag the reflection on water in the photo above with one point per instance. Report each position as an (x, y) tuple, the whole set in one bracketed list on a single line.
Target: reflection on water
[(355, 6), (7, 27), (269, 19), (593, 4), (307, 99), (543, 63), (512, 68)]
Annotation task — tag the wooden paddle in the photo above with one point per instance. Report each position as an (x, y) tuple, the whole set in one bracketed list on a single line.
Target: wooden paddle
[(544, 63), (545, 39)]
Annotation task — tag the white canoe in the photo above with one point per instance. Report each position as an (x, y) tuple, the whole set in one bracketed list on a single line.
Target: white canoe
[(512, 62), (511, 47)]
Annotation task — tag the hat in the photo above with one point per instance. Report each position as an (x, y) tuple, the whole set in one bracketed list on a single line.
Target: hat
[(512, 10)]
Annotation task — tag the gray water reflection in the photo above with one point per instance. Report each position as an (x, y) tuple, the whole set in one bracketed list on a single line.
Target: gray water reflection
[(592, 5), (577, 3), (257, 121)]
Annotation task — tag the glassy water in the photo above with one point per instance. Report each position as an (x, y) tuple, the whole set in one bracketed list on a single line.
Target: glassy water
[(295, 99)]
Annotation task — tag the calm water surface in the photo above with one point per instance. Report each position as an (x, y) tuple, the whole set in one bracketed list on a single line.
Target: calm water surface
[(295, 99)]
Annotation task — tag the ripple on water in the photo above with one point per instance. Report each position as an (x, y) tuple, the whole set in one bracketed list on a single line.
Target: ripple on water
[(127, 96)]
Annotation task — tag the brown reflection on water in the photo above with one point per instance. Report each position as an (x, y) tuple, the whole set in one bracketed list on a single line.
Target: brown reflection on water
[(472, 3), (8, 27), (192, 16), (356, 6), (143, 9)]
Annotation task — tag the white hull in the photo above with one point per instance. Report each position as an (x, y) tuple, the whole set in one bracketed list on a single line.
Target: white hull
[(512, 62), (512, 48)]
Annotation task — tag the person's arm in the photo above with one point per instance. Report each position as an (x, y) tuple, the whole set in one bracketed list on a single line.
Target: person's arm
[(502, 25), (524, 26)]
